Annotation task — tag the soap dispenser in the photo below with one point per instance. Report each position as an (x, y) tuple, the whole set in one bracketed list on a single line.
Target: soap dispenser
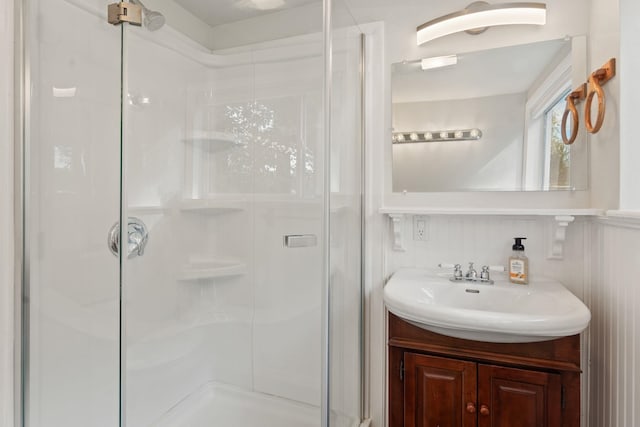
[(519, 263)]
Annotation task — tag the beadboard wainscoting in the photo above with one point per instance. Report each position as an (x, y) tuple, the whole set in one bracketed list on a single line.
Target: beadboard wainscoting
[(615, 346)]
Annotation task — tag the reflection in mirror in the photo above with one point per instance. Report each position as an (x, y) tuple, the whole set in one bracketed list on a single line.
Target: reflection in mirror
[(511, 98)]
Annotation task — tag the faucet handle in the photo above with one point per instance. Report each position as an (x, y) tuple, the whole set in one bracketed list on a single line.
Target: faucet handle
[(457, 272), (484, 275), (471, 273)]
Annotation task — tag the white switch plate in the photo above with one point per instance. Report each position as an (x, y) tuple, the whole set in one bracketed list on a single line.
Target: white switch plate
[(420, 228)]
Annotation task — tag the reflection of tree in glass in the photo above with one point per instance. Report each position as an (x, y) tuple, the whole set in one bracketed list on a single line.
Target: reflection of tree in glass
[(274, 138), (560, 162)]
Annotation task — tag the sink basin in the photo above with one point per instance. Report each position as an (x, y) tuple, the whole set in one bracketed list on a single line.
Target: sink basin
[(503, 312)]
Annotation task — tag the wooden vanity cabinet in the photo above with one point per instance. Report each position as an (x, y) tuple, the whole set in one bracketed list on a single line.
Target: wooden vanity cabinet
[(439, 381)]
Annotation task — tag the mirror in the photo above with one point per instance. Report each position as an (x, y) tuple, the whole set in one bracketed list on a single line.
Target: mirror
[(489, 120)]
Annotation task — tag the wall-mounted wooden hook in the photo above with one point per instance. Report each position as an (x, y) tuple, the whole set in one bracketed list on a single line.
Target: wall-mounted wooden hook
[(606, 72)]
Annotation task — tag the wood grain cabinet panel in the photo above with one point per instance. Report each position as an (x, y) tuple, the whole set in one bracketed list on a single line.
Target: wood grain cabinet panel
[(439, 381), (439, 392), (516, 397)]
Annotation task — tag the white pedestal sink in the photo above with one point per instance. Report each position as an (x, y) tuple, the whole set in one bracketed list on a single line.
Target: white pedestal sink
[(503, 312)]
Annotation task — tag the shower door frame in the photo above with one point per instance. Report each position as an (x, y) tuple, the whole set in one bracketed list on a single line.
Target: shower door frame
[(22, 168), (21, 108), (20, 125)]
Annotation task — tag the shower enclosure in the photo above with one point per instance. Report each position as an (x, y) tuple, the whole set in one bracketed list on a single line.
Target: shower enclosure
[(192, 220)]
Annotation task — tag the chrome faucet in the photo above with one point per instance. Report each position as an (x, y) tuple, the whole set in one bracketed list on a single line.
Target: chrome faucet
[(457, 272), (472, 274), (484, 274)]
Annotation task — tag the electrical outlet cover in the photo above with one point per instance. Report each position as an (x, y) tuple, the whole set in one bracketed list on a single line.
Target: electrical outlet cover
[(420, 228)]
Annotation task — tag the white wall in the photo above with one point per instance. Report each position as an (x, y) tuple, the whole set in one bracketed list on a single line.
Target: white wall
[(629, 69), (604, 43), (6, 213)]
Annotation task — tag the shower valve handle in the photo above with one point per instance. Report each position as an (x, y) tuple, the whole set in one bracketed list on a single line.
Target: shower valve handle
[(137, 233)]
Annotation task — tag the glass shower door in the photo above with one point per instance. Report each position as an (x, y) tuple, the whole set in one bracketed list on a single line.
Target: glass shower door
[(223, 163), (72, 193)]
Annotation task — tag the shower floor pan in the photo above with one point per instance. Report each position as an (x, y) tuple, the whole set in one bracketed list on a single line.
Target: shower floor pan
[(224, 406)]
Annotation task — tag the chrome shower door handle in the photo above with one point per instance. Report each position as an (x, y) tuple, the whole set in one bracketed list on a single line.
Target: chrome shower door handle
[(300, 240), (137, 233)]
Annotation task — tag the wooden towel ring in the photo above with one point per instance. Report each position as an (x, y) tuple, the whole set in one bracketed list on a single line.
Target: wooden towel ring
[(579, 95), (596, 80)]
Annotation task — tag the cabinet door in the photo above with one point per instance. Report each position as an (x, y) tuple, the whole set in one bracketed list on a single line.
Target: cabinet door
[(439, 392), (510, 397)]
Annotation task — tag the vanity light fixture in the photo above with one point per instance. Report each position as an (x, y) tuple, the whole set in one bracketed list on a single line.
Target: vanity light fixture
[(436, 136), (439, 62), (479, 16)]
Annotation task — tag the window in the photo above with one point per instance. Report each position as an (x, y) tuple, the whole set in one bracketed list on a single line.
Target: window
[(557, 154)]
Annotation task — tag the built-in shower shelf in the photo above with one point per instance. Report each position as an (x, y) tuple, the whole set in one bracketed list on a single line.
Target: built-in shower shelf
[(212, 206), (146, 210), (212, 269), (213, 141)]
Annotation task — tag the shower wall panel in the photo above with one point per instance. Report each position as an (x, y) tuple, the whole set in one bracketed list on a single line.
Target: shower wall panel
[(271, 114), (219, 186), (288, 185)]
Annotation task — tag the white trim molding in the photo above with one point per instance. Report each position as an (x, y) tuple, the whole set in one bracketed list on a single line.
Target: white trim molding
[(624, 219), (410, 210)]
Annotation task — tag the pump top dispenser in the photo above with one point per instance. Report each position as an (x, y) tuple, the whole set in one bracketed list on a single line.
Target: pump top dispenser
[(519, 263)]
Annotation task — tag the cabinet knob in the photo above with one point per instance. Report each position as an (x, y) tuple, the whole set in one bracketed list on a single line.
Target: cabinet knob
[(484, 410), (471, 408)]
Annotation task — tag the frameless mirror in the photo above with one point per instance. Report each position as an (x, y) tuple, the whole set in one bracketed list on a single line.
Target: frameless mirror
[(488, 120)]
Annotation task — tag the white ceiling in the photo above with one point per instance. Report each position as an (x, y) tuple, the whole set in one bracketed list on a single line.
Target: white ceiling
[(217, 12)]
